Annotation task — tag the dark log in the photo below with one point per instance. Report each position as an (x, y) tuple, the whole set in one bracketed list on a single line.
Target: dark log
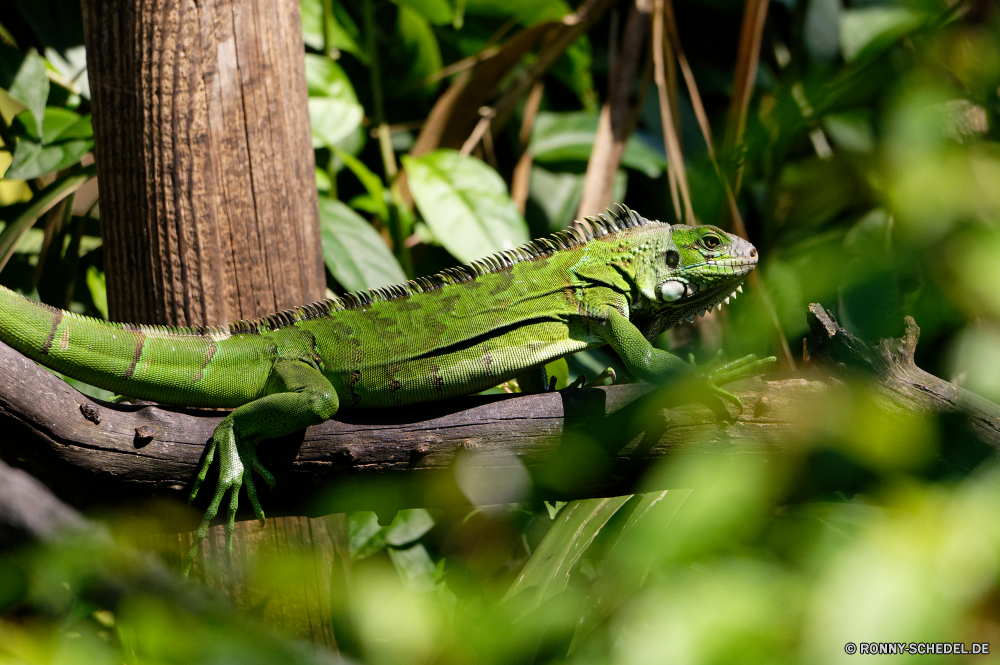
[(574, 443)]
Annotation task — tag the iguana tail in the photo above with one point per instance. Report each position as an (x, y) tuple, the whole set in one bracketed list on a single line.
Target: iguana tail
[(194, 367)]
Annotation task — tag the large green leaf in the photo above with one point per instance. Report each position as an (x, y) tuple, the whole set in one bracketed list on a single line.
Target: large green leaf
[(547, 572), (24, 78), (561, 137), (353, 251), (39, 205), (465, 203)]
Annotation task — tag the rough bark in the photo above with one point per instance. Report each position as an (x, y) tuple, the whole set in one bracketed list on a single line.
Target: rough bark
[(208, 208), (204, 159)]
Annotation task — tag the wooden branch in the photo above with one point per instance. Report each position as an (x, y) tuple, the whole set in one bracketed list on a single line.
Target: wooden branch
[(574, 443)]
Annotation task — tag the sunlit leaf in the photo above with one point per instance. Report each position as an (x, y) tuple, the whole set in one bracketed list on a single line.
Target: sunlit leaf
[(867, 30), (560, 370), (465, 203), (23, 77), (407, 526), (333, 120), (629, 557), (57, 122), (558, 194), (364, 535), (97, 286), (547, 571), (353, 251), (415, 567), (326, 78), (560, 137)]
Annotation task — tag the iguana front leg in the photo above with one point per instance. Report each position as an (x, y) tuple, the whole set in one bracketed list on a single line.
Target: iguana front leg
[(300, 396), (654, 365)]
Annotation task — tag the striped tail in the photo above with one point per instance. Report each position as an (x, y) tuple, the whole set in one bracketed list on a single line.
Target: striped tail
[(203, 367)]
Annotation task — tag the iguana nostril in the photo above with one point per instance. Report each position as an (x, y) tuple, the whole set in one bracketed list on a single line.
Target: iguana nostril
[(753, 252)]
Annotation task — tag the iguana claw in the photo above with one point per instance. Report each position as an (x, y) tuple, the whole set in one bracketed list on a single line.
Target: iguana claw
[(237, 462), (731, 371)]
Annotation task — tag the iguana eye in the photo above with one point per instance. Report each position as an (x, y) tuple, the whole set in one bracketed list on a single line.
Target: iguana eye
[(711, 241)]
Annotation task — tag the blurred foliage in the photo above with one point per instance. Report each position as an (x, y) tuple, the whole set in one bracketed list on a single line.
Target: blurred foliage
[(870, 184)]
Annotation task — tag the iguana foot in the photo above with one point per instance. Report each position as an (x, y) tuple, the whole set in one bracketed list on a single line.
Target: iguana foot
[(745, 366), (608, 373), (237, 462), (581, 381)]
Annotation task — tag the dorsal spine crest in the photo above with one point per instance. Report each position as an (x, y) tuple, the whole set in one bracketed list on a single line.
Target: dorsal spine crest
[(616, 219)]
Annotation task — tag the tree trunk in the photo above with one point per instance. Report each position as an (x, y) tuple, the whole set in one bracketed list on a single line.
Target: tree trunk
[(209, 213), (204, 158)]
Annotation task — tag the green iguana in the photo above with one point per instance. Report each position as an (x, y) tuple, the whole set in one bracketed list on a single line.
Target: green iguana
[(618, 279)]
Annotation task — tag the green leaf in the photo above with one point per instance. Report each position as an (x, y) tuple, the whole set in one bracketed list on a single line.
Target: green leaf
[(629, 558), (59, 124), (32, 160), (38, 206), (869, 30), (407, 526), (528, 12), (326, 78), (334, 111), (97, 286), (323, 182), (415, 567), (560, 137), (418, 37), (364, 535), (554, 508), (465, 203), (353, 251), (438, 12), (342, 29), (558, 194), (24, 78), (560, 370), (333, 121), (371, 182), (547, 572)]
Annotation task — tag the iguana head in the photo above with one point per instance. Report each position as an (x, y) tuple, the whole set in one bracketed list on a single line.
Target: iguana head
[(691, 270)]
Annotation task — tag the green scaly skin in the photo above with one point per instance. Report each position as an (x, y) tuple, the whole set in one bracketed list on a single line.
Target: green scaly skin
[(618, 280)]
